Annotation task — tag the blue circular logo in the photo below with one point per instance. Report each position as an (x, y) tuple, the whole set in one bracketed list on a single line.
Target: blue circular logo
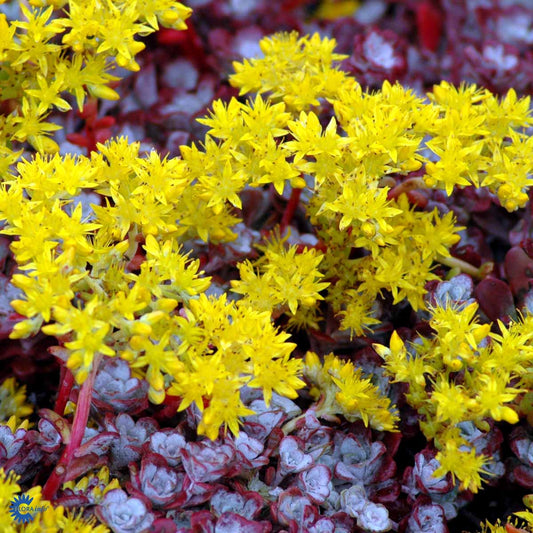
[(20, 509)]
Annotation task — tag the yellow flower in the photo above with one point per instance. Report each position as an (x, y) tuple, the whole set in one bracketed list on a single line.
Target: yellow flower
[(31, 125), (286, 278), (451, 401), (6, 36), (13, 401), (453, 169), (98, 482), (492, 391), (467, 466), (224, 409), (363, 204), (299, 70), (116, 34), (48, 95), (346, 392), (279, 375), (311, 141), (403, 366)]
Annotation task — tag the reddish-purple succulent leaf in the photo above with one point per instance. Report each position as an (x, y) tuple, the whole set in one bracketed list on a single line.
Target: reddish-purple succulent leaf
[(250, 450), (235, 523), (248, 504), (420, 478), (392, 442), (208, 461), (518, 269), (521, 443), (385, 491), (323, 525), (317, 438), (48, 438), (273, 441), (71, 501), (132, 436), (168, 443), (353, 499), (61, 425), (294, 506), (203, 521), (495, 299), (124, 514), (97, 445), (378, 55), (426, 517), (197, 493), (8, 293), (364, 462), (10, 443), (268, 417), (523, 475), (270, 475), (79, 466), (455, 291), (292, 457), (163, 525), (485, 442), (162, 485), (116, 390), (374, 518), (316, 483)]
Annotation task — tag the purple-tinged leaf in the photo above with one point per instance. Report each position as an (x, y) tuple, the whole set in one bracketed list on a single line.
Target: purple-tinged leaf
[(168, 443), (374, 518), (292, 457), (235, 523), (316, 483), (495, 299), (124, 514)]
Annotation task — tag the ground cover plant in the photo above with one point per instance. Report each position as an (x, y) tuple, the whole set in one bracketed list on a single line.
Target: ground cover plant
[(266, 269)]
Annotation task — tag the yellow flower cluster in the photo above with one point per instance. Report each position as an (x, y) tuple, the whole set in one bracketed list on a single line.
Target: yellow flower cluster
[(225, 346), (342, 390), (50, 519), (77, 284), (517, 523), (297, 71), (76, 273), (68, 47), (401, 266), (349, 159), (93, 486), (464, 373), (286, 280), (482, 142)]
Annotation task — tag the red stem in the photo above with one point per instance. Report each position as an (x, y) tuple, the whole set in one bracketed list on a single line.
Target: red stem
[(67, 382), (290, 209), (78, 430)]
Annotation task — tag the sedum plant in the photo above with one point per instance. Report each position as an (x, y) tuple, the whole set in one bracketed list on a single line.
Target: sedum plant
[(463, 375), (376, 146), (66, 50), (103, 242)]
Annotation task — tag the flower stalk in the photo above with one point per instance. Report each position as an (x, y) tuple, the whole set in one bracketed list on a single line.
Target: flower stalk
[(290, 209), (79, 424), (65, 387), (476, 272)]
